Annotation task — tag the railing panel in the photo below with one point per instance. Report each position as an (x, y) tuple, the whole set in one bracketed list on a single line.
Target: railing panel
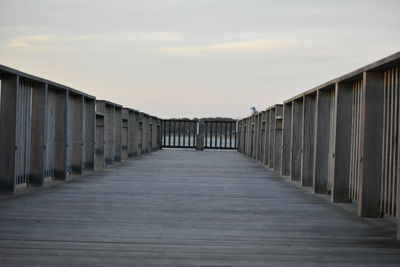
[(182, 134), (9, 84), (179, 133), (390, 144), (118, 127), (355, 156), (23, 129), (286, 139), (220, 135), (125, 134), (100, 141), (297, 116), (278, 138), (89, 128)]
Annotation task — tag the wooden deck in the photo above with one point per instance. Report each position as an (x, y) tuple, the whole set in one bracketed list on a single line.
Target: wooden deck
[(188, 208)]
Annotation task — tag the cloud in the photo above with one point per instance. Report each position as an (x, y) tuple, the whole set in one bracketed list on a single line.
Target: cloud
[(232, 47), (44, 41)]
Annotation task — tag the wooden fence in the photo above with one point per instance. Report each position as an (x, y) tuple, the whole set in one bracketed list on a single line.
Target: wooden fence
[(51, 131), (340, 138)]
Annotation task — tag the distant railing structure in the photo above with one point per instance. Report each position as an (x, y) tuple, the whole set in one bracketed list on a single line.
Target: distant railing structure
[(340, 138), (199, 134), (49, 130), (179, 133)]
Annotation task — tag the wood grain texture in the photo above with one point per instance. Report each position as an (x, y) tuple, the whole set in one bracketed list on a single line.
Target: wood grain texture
[(188, 208)]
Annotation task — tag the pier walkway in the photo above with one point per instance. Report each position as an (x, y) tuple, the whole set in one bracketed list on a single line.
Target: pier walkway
[(188, 208)]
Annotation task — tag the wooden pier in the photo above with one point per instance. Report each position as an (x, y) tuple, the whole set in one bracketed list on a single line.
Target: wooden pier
[(316, 180)]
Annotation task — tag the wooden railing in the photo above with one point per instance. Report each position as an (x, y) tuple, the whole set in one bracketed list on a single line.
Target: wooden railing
[(49, 130), (199, 134), (340, 138)]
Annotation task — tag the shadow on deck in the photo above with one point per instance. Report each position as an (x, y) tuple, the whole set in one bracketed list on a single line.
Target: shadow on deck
[(188, 208)]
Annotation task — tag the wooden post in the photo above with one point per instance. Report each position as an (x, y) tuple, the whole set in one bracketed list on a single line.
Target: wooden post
[(118, 134), (371, 144), (38, 134), (131, 133), (100, 141), (266, 137), (61, 134), (89, 127), (8, 116), (125, 133), (286, 139), (75, 129), (141, 132), (295, 159), (278, 138), (137, 136), (322, 137), (308, 135), (342, 142), (272, 126)]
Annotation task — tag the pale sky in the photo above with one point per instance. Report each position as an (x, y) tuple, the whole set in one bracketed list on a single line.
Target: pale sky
[(187, 58)]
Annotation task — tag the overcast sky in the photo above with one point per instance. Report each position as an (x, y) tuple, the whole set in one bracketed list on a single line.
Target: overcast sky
[(187, 58)]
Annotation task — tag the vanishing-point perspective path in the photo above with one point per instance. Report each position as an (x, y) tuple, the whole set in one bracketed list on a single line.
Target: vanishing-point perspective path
[(187, 208)]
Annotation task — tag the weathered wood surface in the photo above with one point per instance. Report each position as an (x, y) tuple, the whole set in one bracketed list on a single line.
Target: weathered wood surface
[(188, 208)]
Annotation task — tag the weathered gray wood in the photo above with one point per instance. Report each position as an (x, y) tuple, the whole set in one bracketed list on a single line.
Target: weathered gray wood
[(60, 133), (89, 127), (38, 135), (278, 138), (342, 139), (138, 135), (286, 139), (322, 135), (272, 126), (8, 116), (371, 144), (188, 208), (75, 129), (297, 131), (100, 141), (125, 134), (118, 134), (131, 133), (308, 136), (267, 136)]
